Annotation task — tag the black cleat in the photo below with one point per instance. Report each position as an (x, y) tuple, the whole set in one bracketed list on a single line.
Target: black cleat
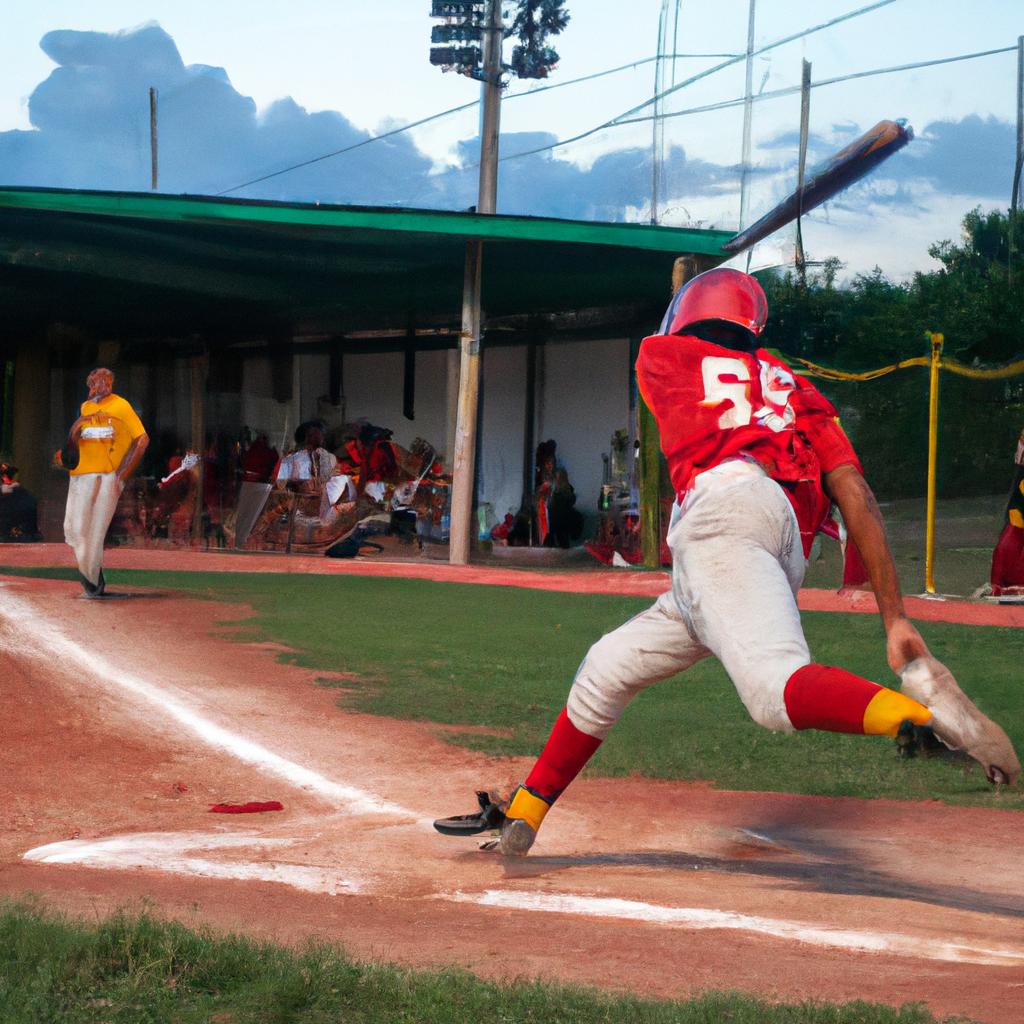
[(91, 589), (918, 741), (489, 817)]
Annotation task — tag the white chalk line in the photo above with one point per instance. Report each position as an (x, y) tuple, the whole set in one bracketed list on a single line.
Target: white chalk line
[(42, 638), (163, 851), (699, 918)]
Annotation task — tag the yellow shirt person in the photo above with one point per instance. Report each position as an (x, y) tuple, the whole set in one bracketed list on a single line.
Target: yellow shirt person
[(111, 426), (110, 440)]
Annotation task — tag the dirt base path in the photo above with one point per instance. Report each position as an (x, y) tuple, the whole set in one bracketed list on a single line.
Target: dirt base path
[(125, 720), (594, 579)]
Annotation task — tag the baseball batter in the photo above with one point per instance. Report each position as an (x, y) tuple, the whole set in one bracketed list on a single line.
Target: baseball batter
[(756, 457), (111, 440)]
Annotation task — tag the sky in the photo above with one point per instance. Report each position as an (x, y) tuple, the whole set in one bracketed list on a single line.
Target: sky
[(246, 89)]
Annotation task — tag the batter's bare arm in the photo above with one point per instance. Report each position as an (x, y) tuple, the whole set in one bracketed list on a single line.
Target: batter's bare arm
[(132, 457), (850, 491)]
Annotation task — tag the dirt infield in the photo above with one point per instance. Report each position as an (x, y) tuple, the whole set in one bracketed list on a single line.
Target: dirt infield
[(125, 720)]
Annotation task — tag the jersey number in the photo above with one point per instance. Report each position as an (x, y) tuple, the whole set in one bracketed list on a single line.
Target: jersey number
[(726, 378)]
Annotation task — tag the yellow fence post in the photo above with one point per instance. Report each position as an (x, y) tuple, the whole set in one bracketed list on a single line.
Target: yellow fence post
[(933, 445)]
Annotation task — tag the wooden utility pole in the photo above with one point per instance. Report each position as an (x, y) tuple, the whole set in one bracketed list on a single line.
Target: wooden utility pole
[(805, 120), (153, 163), (1018, 164), (487, 201), (748, 117), (464, 459)]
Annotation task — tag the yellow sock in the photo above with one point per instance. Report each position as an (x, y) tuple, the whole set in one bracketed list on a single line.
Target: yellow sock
[(888, 708), (527, 807)]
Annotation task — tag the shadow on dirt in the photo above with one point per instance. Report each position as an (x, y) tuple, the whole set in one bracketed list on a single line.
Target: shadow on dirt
[(830, 871)]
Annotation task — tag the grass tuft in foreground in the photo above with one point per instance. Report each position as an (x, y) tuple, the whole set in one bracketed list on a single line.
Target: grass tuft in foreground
[(135, 968)]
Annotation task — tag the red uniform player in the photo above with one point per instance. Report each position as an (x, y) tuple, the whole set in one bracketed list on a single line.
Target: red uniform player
[(756, 457)]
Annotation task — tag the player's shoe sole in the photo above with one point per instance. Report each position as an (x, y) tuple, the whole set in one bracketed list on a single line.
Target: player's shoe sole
[(516, 838), (957, 722)]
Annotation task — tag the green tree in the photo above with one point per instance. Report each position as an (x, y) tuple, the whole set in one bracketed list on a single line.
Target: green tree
[(975, 299)]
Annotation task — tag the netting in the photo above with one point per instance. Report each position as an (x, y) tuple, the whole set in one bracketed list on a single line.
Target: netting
[(981, 412)]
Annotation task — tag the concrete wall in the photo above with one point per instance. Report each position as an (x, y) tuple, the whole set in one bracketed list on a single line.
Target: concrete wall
[(374, 390), (583, 398), (502, 429)]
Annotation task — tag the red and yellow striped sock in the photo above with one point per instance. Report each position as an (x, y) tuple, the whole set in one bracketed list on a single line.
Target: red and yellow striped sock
[(832, 699), (528, 806), (563, 757)]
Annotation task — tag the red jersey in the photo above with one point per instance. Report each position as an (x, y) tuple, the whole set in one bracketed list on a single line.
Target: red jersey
[(714, 403)]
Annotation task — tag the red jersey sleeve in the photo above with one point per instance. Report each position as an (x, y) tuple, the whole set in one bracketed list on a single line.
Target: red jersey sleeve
[(833, 447), (817, 420)]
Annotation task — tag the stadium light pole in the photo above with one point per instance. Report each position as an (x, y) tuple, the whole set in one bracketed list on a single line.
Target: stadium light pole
[(471, 22), (464, 455)]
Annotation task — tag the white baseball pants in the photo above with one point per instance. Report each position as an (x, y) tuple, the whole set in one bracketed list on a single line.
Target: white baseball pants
[(737, 564), (92, 499)]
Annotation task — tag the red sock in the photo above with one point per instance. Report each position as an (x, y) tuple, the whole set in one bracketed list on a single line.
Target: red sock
[(564, 755), (829, 698)]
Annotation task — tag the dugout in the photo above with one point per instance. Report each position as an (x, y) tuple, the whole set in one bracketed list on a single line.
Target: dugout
[(222, 314)]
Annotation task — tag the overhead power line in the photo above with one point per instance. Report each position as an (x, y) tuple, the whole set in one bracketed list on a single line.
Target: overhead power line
[(348, 149), (703, 74), (612, 71), (790, 89), (777, 93), (455, 110)]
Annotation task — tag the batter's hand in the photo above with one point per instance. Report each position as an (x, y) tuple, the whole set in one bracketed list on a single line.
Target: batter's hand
[(904, 644)]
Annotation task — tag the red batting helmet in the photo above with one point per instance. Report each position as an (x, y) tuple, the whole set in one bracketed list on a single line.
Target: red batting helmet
[(719, 294)]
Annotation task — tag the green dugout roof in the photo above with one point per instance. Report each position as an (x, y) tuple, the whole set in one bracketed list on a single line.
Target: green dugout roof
[(145, 264)]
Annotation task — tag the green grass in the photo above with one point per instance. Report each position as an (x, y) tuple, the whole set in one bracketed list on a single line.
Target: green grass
[(132, 969), (503, 658)]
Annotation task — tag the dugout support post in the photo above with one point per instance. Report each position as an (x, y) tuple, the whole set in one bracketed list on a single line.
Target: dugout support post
[(650, 462), (199, 365)]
